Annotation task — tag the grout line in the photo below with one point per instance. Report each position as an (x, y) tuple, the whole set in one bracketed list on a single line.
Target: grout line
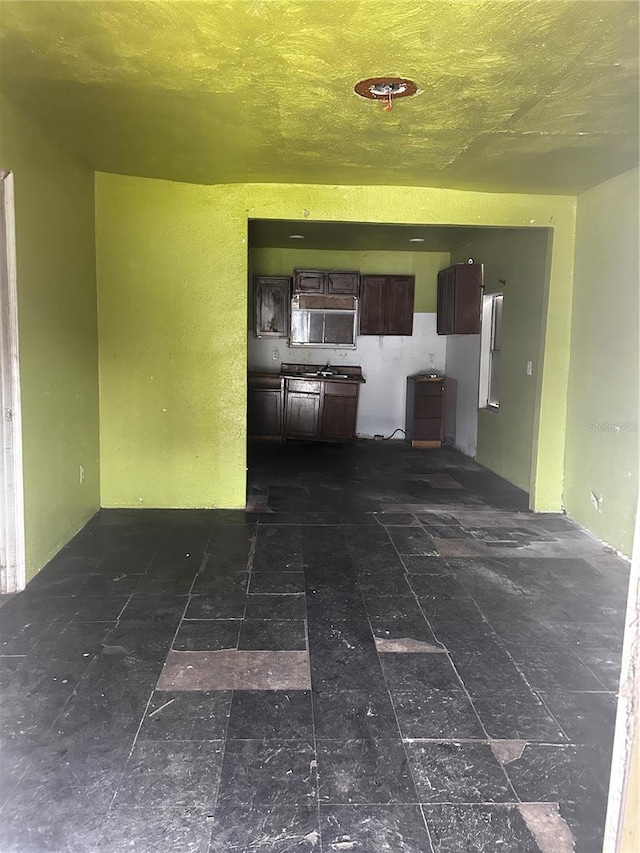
[(464, 686), (393, 707)]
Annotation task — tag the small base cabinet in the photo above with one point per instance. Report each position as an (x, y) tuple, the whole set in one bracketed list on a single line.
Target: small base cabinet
[(301, 408), (339, 411), (424, 425), (264, 407)]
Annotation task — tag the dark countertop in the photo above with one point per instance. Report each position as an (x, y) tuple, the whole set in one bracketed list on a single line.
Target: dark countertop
[(343, 373), (348, 373)]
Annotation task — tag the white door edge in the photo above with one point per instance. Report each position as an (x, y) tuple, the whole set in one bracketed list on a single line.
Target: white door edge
[(13, 578)]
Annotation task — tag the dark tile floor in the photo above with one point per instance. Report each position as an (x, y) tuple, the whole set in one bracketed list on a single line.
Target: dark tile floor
[(445, 666)]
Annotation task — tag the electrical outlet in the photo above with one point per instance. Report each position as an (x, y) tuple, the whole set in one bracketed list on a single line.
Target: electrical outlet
[(275, 354), (529, 368), (81, 474)]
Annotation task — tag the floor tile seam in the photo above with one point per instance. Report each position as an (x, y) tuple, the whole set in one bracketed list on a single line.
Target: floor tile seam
[(466, 692), (314, 735), (427, 803), (182, 739), (225, 740), (504, 647), (74, 692), (393, 707), (464, 688), (613, 693), (426, 826), (126, 763), (595, 675), (450, 659), (537, 692)]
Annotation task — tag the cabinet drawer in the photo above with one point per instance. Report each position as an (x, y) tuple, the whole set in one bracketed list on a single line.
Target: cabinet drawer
[(307, 386), (265, 380), (309, 281), (429, 389), (343, 282), (341, 389)]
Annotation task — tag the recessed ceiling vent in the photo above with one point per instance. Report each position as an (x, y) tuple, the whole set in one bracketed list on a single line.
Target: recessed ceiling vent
[(385, 89)]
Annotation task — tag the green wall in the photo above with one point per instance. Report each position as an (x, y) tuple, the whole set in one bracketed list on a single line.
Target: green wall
[(506, 438), (602, 457), (172, 274), (54, 207), (172, 313), (423, 265)]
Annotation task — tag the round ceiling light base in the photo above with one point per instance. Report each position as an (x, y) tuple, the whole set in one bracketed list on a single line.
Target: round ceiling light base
[(385, 88)]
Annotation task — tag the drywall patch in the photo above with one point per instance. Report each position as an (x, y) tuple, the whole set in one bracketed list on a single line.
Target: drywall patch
[(507, 751), (548, 827)]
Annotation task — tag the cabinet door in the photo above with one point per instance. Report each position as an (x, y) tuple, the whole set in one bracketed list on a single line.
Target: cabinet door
[(446, 285), (372, 291), (425, 411), (339, 411), (301, 415), (309, 281), (398, 307), (271, 300), (264, 412), (343, 282), (468, 299)]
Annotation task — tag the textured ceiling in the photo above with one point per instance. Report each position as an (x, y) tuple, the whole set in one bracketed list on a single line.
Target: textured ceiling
[(535, 96)]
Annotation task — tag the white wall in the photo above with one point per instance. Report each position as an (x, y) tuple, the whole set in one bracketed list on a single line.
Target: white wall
[(463, 365), (386, 362)]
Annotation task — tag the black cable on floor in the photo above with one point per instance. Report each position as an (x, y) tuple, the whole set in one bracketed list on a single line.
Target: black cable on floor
[(387, 437)]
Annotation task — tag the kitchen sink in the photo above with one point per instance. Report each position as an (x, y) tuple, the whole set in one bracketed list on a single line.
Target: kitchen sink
[(323, 374)]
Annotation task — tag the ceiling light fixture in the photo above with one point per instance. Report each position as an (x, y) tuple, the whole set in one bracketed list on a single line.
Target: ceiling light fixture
[(385, 89), (296, 236)]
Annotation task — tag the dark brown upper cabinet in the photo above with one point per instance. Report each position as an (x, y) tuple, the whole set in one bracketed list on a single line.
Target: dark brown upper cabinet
[(271, 300), (386, 304), (341, 282), (459, 300)]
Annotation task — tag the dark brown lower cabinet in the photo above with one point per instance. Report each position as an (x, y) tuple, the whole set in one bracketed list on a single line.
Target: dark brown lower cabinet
[(425, 410), (301, 414), (264, 407), (339, 411), (320, 410)]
